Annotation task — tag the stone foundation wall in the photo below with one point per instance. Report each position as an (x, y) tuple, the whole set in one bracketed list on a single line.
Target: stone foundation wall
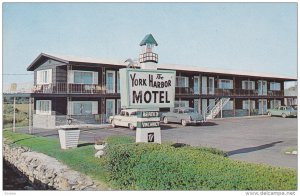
[(49, 172)]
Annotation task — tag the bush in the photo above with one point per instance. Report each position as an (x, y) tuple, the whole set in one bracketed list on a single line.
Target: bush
[(141, 166)]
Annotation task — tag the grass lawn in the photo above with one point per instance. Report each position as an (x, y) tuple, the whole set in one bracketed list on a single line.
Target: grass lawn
[(80, 159), (131, 166)]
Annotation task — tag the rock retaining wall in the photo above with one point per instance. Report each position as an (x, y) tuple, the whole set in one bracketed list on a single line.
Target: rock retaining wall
[(48, 171)]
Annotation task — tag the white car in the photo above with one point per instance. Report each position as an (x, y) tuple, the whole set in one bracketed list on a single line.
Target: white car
[(126, 118)]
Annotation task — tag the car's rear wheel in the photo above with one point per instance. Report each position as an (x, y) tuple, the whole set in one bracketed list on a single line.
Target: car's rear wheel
[(283, 115), (269, 114), (183, 122), (166, 120), (130, 126)]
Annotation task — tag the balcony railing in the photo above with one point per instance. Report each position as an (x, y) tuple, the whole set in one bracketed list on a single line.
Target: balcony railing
[(148, 57), (226, 92), (65, 88)]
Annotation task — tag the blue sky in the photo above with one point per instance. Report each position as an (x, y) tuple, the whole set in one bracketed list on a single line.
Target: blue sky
[(259, 37)]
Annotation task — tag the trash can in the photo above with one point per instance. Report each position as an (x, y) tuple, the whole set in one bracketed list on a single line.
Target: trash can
[(68, 136)]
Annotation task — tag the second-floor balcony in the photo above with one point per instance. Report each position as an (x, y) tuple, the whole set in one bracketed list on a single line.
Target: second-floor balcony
[(65, 88), (226, 92)]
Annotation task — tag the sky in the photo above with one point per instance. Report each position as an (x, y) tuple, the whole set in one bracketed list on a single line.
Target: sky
[(260, 37)]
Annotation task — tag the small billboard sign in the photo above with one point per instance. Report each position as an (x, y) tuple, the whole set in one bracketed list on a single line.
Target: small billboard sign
[(147, 88)]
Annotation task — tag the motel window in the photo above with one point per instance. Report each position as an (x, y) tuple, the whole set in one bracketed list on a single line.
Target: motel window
[(248, 85), (225, 84), (110, 81), (274, 86), (43, 107), (275, 104), (44, 76), (228, 106), (246, 104), (85, 77), (118, 82), (181, 81), (84, 107), (119, 106), (181, 104)]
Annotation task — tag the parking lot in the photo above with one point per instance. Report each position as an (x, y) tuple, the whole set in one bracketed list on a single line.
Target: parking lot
[(258, 140)]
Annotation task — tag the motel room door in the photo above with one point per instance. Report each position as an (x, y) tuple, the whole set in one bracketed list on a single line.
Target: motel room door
[(262, 106), (110, 107), (204, 106), (211, 85), (204, 85), (262, 87), (197, 85)]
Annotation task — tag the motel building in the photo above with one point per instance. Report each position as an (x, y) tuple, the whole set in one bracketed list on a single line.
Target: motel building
[(88, 90)]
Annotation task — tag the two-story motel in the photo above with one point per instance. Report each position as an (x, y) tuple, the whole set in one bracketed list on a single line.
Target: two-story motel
[(88, 90)]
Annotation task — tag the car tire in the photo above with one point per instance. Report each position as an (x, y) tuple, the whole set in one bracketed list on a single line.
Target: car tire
[(269, 114), (130, 126), (113, 124), (183, 123), (166, 120), (283, 115)]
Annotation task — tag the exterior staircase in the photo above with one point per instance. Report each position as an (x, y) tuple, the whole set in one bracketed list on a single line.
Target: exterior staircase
[(220, 103)]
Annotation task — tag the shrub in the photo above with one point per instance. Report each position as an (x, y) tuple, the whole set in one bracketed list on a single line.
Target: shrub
[(141, 166)]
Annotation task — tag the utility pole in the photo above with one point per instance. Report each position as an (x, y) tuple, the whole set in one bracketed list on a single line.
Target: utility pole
[(14, 119), (29, 115)]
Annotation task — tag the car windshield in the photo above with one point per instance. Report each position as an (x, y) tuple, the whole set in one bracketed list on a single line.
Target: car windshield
[(190, 110)]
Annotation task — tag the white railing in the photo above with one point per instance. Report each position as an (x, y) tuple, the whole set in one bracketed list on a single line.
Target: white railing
[(64, 88), (216, 108)]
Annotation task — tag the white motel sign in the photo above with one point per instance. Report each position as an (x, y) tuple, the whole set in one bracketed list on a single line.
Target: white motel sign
[(142, 88)]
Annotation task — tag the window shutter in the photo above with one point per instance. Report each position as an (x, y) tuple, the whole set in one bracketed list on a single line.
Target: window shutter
[(70, 108), (231, 84), (95, 77), (95, 107), (71, 76), (38, 77), (243, 84), (38, 106), (50, 107), (253, 85), (49, 72)]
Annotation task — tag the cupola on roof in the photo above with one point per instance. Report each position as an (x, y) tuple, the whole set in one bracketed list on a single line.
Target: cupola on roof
[(149, 39)]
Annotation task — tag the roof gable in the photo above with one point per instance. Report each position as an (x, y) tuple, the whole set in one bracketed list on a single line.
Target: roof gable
[(42, 58)]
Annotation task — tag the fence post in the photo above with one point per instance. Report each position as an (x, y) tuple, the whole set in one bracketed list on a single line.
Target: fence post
[(14, 119)]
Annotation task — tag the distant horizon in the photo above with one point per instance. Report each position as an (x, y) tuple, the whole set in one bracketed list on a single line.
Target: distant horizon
[(254, 37)]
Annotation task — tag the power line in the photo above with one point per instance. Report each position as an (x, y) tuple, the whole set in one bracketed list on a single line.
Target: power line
[(17, 74)]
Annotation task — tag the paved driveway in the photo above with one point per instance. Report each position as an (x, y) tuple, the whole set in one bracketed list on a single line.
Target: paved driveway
[(259, 140)]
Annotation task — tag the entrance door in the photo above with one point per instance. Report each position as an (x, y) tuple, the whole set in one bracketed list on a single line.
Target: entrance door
[(110, 107), (110, 81), (204, 85), (211, 85), (211, 104), (262, 106), (204, 106), (197, 85), (262, 87), (197, 107)]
